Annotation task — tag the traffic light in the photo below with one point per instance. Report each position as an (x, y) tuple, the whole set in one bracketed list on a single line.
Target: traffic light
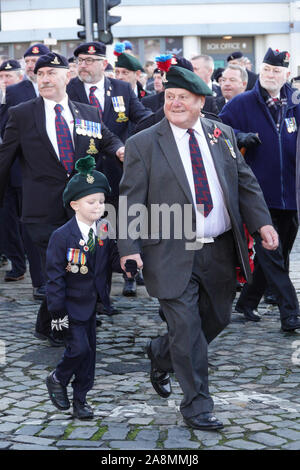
[(104, 20), (81, 21)]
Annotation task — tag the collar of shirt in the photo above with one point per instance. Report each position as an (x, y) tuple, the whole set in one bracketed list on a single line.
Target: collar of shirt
[(84, 229), (50, 105), (179, 133), (36, 88)]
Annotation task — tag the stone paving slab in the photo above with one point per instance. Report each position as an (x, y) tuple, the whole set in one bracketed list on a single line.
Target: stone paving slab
[(254, 380)]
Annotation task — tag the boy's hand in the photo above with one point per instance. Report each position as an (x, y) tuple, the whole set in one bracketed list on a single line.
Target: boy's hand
[(59, 324)]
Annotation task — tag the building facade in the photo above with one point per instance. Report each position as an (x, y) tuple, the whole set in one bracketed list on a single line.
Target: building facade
[(186, 27)]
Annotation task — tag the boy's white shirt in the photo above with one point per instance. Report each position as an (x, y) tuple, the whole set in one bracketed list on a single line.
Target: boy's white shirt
[(84, 229)]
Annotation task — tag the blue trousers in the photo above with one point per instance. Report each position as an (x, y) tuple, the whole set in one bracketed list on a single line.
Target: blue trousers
[(79, 358)]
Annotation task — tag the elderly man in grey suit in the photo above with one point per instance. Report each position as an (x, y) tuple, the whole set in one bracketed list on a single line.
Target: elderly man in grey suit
[(191, 162)]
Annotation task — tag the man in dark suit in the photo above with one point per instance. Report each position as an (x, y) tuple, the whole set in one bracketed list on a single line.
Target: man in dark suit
[(120, 109), (18, 242), (52, 132), (238, 59), (190, 267)]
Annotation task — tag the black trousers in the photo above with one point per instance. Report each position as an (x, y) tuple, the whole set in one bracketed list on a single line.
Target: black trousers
[(271, 268), (194, 319), (17, 240), (40, 235)]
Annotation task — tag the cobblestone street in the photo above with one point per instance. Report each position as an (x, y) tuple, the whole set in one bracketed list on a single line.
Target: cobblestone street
[(254, 380)]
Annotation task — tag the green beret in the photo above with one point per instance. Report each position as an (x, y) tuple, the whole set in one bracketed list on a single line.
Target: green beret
[(129, 62), (179, 77), (86, 181)]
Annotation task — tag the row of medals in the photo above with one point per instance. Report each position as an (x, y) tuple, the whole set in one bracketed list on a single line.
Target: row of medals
[(89, 128), (74, 268)]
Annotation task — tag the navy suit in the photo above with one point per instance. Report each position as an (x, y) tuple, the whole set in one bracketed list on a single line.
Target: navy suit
[(134, 111), (17, 240), (76, 295)]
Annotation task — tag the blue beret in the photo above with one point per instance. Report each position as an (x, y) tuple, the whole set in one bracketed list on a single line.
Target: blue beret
[(51, 60), (277, 58), (37, 50), (128, 45), (92, 48), (235, 55), (10, 65), (182, 62)]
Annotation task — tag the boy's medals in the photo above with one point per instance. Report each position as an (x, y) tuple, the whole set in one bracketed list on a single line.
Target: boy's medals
[(83, 267), (84, 270)]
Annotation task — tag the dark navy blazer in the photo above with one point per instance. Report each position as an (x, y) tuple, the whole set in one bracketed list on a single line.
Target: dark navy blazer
[(76, 293)]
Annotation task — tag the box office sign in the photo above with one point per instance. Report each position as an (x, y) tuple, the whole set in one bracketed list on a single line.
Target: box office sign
[(213, 46)]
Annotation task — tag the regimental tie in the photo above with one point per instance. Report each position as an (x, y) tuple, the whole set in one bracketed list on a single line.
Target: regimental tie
[(91, 241), (64, 140), (202, 190), (94, 100)]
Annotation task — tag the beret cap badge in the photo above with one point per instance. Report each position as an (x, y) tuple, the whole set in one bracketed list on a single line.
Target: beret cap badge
[(55, 61), (35, 50)]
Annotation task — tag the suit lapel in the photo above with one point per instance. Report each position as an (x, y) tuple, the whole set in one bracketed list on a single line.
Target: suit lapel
[(107, 98), (170, 151), (82, 96), (76, 115), (216, 151)]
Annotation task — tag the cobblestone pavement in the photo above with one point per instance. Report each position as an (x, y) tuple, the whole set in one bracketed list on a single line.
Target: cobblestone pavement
[(254, 380)]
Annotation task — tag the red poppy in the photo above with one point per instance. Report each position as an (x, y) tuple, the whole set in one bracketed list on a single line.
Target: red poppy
[(101, 243), (217, 132), (142, 93), (104, 228)]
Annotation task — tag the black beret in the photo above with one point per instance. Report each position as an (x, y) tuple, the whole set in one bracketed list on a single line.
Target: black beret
[(109, 67), (296, 79), (71, 60), (10, 65), (51, 60), (277, 58), (92, 48), (217, 73), (182, 62), (235, 55), (178, 77), (87, 181), (37, 50)]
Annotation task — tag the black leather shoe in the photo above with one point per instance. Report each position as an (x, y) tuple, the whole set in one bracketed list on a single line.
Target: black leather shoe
[(160, 380), (57, 393), (129, 289), (82, 410), (290, 324), (205, 421), (12, 276), (250, 315), (270, 299), (3, 260), (39, 293), (54, 342)]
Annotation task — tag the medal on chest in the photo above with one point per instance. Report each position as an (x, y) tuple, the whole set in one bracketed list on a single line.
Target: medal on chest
[(119, 107)]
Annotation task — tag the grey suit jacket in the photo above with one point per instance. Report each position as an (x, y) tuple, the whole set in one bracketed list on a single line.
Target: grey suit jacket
[(154, 174)]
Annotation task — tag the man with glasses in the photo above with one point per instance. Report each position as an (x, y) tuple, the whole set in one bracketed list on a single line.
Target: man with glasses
[(118, 105)]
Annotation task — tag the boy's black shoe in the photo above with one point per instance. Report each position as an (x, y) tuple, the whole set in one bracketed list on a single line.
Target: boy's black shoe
[(82, 410), (204, 421), (39, 293), (57, 393)]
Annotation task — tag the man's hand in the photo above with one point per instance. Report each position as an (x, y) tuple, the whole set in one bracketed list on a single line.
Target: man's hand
[(247, 140), (120, 153), (270, 240), (136, 257)]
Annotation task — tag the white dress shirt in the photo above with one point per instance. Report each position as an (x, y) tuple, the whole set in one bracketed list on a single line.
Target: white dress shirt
[(36, 88), (217, 221), (50, 120), (99, 92), (84, 229)]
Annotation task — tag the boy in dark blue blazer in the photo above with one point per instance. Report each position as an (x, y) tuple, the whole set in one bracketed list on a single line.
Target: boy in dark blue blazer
[(78, 263)]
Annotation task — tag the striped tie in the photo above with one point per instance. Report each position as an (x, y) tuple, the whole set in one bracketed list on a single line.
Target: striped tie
[(94, 100), (202, 190), (91, 241), (64, 140)]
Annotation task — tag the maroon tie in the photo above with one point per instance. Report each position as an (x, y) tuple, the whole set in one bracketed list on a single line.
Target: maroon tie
[(94, 100), (202, 190)]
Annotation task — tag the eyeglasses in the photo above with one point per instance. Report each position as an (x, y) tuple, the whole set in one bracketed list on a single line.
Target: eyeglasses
[(88, 60)]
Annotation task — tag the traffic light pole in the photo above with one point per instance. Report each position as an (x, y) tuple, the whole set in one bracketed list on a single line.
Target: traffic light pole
[(88, 20)]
